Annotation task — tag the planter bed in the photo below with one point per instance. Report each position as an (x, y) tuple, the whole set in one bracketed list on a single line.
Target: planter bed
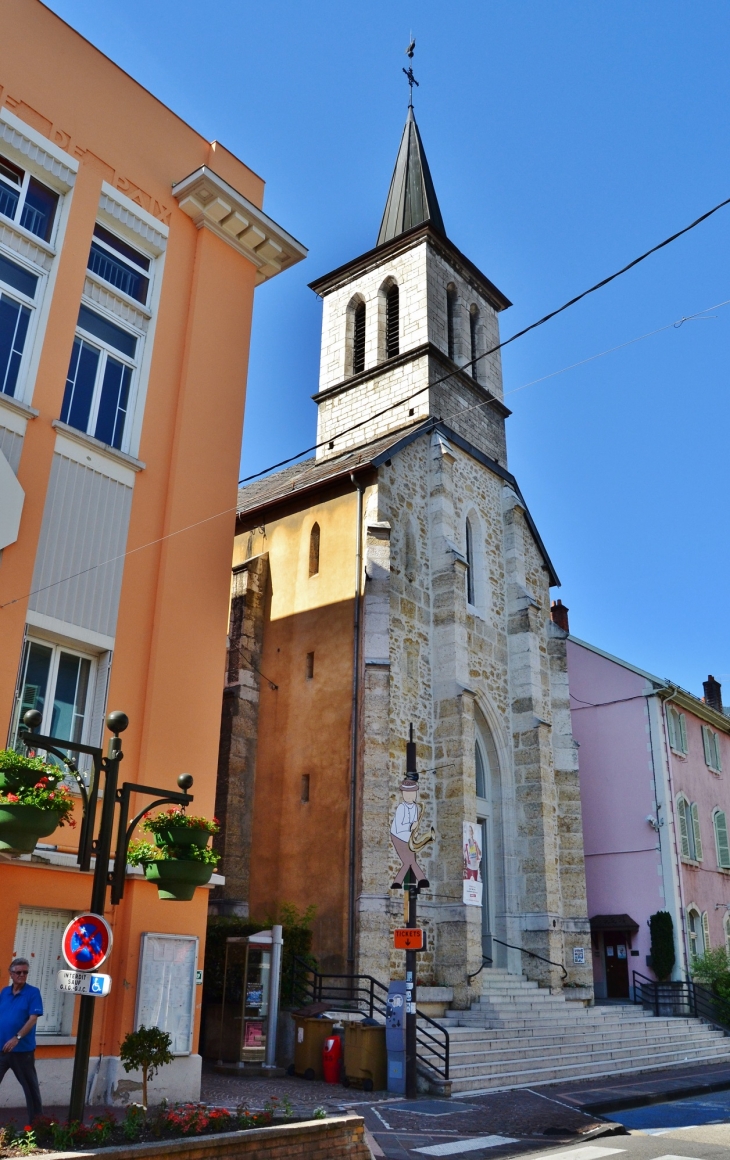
[(335, 1138)]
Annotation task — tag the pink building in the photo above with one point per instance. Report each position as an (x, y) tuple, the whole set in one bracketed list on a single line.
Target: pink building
[(654, 764)]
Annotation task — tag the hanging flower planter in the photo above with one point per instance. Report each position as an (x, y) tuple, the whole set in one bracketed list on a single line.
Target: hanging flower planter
[(32, 802), (181, 860)]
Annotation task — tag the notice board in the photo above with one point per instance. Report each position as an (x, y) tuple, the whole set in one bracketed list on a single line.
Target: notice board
[(166, 987)]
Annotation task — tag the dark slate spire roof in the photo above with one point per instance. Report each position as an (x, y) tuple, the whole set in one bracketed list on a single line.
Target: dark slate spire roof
[(412, 197)]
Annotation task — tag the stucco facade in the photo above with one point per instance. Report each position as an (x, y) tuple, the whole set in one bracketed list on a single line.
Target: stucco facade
[(429, 605), (130, 248), (637, 771)]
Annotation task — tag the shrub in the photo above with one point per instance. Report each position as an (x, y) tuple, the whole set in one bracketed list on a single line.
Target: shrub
[(662, 944), (146, 1050), (713, 970)]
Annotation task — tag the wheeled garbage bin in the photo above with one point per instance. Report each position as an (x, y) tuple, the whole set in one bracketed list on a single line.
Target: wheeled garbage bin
[(365, 1056), (310, 1034)]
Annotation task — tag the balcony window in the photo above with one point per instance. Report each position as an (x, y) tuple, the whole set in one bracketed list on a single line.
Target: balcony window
[(97, 395), (56, 682), (119, 264), (27, 201), (15, 317)]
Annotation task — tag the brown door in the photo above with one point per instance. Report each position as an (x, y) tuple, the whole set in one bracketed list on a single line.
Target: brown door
[(616, 955)]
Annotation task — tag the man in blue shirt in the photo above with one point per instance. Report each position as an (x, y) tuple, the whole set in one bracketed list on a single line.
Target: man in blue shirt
[(20, 1007)]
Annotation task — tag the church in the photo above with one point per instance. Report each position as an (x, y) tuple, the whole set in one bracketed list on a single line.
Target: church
[(397, 580)]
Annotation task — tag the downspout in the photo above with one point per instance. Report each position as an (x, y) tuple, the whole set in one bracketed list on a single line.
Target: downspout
[(354, 733), (680, 882)]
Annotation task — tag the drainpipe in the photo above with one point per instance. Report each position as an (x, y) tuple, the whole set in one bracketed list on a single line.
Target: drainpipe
[(678, 859), (354, 738)]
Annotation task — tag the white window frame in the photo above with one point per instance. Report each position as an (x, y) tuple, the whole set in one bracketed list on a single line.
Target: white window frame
[(33, 305), (107, 351), (57, 648), (28, 174), (690, 835), (694, 911), (47, 979), (723, 855), (711, 747), (677, 729), (147, 274)]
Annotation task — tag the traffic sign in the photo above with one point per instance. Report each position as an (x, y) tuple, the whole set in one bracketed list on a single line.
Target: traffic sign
[(409, 938), (87, 941), (84, 983)]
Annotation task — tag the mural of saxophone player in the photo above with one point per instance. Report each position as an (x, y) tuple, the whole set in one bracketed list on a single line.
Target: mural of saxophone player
[(403, 834)]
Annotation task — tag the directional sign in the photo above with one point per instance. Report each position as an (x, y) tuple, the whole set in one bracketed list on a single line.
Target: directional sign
[(84, 983), (409, 938), (87, 941)]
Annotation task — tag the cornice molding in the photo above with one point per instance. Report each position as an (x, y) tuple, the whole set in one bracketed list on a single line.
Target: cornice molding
[(23, 243), (215, 205), (694, 705), (117, 207), (27, 142)]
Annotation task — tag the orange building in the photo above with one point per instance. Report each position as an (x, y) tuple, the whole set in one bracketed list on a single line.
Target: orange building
[(130, 248)]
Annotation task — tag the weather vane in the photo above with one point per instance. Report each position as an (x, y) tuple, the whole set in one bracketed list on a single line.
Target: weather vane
[(409, 71)]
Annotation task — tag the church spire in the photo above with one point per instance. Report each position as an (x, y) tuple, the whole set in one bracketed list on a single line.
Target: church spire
[(412, 197)]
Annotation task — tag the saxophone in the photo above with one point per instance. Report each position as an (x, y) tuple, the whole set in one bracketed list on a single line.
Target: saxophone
[(416, 844)]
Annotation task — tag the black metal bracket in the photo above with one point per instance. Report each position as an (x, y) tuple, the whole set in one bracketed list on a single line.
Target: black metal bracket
[(125, 831), (89, 795)]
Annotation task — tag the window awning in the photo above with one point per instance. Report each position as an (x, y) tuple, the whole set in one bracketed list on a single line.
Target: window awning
[(613, 922)]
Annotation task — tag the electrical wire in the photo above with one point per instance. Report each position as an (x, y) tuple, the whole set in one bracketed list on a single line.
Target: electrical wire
[(445, 378), (493, 350)]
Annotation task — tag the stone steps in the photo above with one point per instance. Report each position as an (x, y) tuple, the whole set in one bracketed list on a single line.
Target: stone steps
[(519, 1034)]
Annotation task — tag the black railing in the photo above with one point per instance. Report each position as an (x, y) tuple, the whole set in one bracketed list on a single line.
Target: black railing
[(368, 996), (677, 999), (486, 959)]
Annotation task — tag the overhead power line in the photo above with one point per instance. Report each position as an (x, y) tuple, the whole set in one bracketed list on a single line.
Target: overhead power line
[(494, 349)]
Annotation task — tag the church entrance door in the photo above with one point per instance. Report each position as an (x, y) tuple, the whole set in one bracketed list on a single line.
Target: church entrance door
[(484, 869)]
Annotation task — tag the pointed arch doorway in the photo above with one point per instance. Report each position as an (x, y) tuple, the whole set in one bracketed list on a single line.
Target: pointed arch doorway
[(489, 819)]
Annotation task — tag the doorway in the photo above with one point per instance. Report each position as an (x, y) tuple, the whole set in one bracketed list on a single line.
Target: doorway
[(483, 824), (616, 957)]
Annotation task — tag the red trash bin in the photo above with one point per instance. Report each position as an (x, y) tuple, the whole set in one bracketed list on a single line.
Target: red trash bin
[(332, 1059)]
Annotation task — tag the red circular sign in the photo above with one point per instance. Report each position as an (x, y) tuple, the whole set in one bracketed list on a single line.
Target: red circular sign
[(87, 940)]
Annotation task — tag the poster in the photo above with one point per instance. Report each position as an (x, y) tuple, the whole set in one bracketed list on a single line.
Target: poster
[(472, 852), (166, 986)]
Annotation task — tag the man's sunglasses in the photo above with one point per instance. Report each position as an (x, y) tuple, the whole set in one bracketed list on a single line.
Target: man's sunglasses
[(16, 971)]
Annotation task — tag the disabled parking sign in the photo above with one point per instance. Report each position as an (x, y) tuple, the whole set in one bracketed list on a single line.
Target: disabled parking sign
[(87, 942)]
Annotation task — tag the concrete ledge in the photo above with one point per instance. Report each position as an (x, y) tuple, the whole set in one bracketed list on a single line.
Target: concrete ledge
[(433, 1001), (337, 1138)]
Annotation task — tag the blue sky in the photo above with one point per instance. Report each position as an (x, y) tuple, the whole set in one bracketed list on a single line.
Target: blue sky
[(564, 139)]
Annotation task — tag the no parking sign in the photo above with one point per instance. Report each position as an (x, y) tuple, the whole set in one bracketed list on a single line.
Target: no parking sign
[(87, 942)]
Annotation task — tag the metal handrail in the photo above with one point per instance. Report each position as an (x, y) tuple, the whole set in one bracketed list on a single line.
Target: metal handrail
[(512, 947), (348, 994), (679, 997)]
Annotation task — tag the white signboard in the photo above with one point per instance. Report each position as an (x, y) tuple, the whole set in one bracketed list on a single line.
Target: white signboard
[(579, 955), (166, 987), (472, 855), (84, 983)]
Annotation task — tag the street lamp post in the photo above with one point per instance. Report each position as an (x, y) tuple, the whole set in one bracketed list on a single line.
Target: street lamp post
[(100, 846)]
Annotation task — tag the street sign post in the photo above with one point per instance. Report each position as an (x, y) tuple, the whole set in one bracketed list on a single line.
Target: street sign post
[(84, 983), (86, 943)]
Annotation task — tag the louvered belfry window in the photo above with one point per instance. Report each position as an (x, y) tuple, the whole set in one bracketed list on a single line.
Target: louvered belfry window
[(358, 340), (392, 327)]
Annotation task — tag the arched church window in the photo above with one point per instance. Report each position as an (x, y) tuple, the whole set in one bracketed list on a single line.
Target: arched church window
[(469, 562), (358, 339), (451, 319), (314, 550), (392, 321), (473, 324), (481, 774)]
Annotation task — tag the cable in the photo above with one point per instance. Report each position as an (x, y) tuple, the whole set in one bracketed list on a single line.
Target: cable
[(494, 349)]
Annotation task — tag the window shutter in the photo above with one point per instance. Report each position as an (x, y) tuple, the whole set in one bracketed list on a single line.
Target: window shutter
[(706, 930), (683, 829), (672, 727), (38, 939), (706, 745), (716, 742), (721, 839), (696, 830), (682, 721), (727, 936)]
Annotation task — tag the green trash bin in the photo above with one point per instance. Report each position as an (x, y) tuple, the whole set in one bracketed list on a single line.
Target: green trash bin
[(365, 1057), (310, 1033)]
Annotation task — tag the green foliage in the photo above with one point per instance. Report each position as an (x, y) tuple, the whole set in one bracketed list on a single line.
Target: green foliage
[(161, 823), (662, 944), (320, 1113), (12, 763), (146, 1050), (297, 943), (134, 1121), (713, 970), (142, 853)]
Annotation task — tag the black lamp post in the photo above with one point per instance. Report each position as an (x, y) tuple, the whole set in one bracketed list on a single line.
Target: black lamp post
[(99, 847)]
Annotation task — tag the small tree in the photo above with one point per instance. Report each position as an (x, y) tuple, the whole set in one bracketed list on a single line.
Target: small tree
[(713, 970), (146, 1050), (662, 944)]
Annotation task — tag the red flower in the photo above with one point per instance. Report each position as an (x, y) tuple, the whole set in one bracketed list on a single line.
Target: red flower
[(12, 797)]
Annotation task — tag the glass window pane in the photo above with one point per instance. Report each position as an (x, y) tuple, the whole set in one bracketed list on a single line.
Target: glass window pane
[(121, 247), (39, 209), (14, 320), (113, 403), (9, 198), (80, 385), (17, 277), (107, 331), (35, 680), (118, 273), (481, 779), (69, 701)]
